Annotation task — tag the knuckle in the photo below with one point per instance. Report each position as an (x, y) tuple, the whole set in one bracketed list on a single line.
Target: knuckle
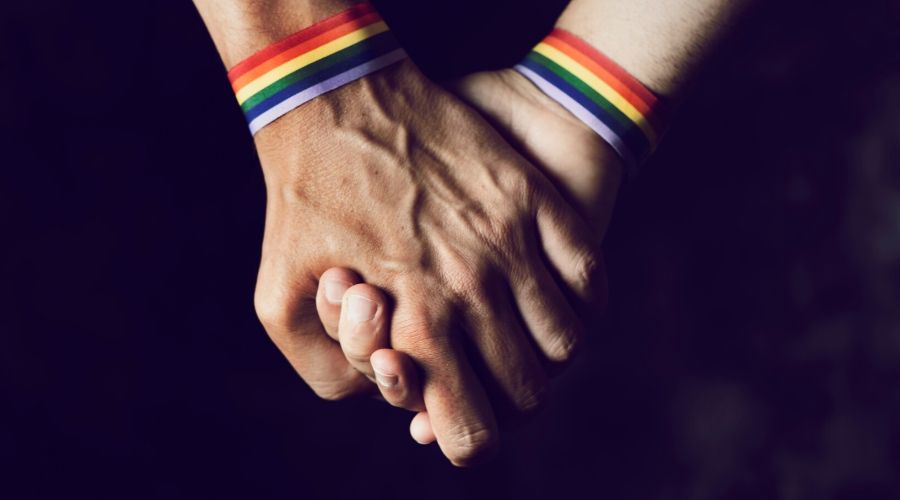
[(274, 312), (357, 356), (563, 347), (587, 272), (531, 399), (282, 294), (471, 445)]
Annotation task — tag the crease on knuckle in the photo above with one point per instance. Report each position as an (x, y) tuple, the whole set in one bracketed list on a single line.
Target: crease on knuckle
[(358, 357), (531, 399), (470, 445), (563, 347), (586, 272)]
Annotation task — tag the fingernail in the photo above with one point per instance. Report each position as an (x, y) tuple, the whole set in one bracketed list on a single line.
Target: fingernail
[(334, 291), (361, 308), (386, 380)]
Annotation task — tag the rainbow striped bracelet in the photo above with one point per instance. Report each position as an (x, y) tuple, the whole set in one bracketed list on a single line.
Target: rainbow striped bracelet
[(311, 62), (598, 92)]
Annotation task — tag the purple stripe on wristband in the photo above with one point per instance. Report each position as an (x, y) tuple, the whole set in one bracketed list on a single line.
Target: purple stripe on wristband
[(581, 113), (325, 86)]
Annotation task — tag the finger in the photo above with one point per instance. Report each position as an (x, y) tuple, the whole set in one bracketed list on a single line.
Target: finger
[(458, 409), (393, 371), (332, 285), (505, 350), (363, 326), (547, 313), (570, 247), (397, 379), (288, 313), (420, 429)]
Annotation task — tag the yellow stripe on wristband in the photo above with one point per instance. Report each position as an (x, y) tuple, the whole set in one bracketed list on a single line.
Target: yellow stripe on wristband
[(598, 85), (308, 58)]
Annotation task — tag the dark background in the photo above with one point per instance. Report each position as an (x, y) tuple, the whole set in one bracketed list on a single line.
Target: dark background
[(751, 351)]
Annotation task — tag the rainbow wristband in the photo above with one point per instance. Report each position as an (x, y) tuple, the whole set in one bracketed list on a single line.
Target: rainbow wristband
[(598, 92), (307, 64)]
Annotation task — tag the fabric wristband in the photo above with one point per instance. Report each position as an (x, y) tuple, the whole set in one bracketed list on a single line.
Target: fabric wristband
[(311, 62), (598, 92)]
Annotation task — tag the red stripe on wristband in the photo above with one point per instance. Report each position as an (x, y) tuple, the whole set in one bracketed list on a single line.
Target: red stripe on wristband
[(326, 25), (613, 74)]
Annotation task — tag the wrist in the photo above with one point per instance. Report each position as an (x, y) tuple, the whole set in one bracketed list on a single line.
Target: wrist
[(659, 42), (583, 165), (312, 62), (239, 28), (367, 105), (598, 92)]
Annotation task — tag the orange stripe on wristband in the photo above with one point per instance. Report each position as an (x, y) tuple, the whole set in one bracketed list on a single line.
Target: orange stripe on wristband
[(598, 92), (316, 60), (324, 26)]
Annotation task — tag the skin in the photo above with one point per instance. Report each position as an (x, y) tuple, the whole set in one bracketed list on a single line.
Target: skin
[(661, 51), (457, 239), (473, 251), (659, 42), (584, 167)]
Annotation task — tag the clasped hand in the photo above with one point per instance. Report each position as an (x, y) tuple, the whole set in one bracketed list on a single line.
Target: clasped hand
[(442, 245)]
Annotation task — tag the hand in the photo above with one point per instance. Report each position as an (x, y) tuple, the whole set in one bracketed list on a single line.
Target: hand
[(397, 179), (582, 166)]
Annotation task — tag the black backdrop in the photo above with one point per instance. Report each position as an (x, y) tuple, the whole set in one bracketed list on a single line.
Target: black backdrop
[(752, 349)]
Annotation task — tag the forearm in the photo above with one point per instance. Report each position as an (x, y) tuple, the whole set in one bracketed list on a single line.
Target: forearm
[(241, 27), (659, 42)]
